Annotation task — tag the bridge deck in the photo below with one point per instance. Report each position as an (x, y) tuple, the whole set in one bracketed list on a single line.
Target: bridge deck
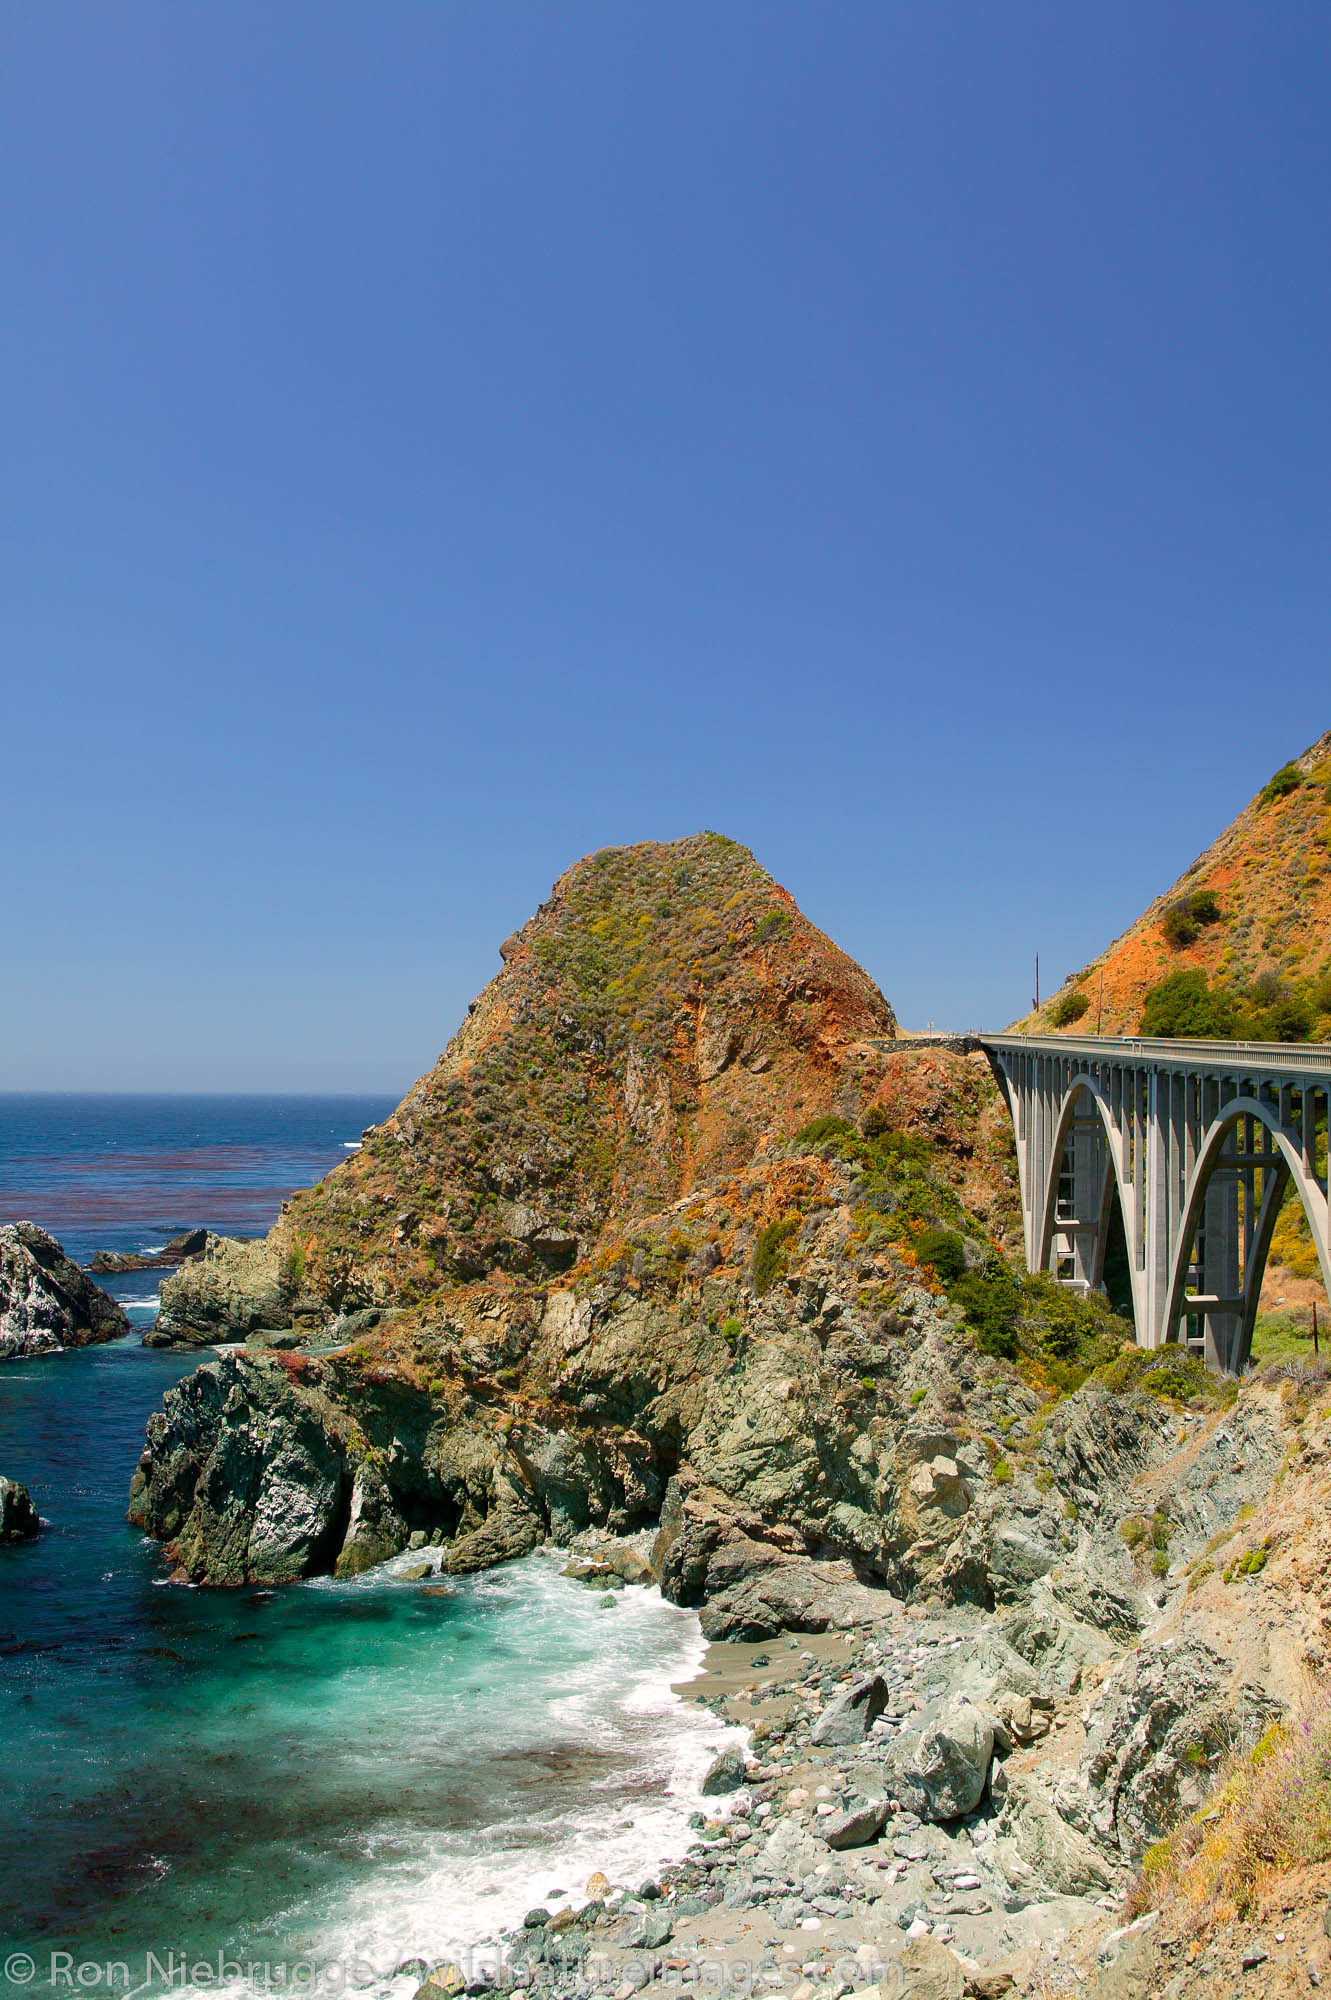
[(1296, 1060)]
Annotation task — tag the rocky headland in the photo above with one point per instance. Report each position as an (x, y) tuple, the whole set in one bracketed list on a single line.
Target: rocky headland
[(46, 1301), (681, 1259)]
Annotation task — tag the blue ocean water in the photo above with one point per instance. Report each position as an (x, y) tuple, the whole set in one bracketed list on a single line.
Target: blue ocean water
[(338, 1776)]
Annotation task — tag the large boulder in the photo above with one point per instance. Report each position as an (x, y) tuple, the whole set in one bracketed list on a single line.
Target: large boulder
[(939, 1767), (46, 1301), (794, 1595), (850, 1716), (19, 1519), (234, 1288)]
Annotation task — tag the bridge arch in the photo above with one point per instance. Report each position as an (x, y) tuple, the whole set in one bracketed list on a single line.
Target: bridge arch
[(1110, 1180), (1168, 1140), (1283, 1162)]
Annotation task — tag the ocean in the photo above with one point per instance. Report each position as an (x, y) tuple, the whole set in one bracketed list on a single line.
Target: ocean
[(322, 1787)]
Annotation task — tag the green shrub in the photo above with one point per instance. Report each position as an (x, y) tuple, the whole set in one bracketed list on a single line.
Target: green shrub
[(776, 924), (944, 1251), (917, 1396), (1001, 1472), (1069, 1007), (1266, 1011), (730, 1330), (1176, 1375), (1185, 918), (1286, 780), (991, 1300), (771, 1252), (1183, 1004), (826, 1132), (1134, 1530)]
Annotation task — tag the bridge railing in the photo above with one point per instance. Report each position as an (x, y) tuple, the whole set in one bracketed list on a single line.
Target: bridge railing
[(1296, 1058)]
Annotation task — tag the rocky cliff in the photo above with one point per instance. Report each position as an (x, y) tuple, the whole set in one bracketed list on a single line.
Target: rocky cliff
[(46, 1302), (674, 1232), (665, 1009), (678, 1243)]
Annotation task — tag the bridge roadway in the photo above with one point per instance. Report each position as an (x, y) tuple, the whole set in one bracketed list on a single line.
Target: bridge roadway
[(1194, 1144)]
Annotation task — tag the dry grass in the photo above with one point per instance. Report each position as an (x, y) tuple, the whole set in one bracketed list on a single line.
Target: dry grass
[(1270, 1812)]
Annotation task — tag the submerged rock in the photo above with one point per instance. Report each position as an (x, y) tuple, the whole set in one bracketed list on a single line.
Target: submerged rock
[(46, 1301), (189, 1243), (19, 1519)]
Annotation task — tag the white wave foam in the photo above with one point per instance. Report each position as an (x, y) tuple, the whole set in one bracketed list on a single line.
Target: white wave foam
[(452, 1890)]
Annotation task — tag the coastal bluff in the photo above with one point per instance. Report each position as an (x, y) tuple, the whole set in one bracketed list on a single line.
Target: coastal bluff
[(682, 1261)]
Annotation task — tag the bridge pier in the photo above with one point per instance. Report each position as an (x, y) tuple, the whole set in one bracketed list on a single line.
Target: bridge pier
[(1196, 1143)]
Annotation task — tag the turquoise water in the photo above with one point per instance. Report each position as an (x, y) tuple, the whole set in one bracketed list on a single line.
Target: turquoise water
[(342, 1776)]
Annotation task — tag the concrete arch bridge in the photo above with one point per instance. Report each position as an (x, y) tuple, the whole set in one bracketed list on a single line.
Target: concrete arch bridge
[(1164, 1164)]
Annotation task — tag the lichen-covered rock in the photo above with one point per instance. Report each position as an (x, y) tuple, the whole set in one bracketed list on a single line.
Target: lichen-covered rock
[(231, 1290), (246, 1475), (19, 1519), (46, 1301), (850, 1715), (939, 1766), (1167, 1720)]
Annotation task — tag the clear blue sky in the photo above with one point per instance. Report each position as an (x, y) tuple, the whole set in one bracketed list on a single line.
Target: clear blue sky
[(439, 440)]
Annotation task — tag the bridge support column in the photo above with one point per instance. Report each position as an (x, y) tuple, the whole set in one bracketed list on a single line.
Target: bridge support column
[(1219, 1269), (1077, 1243)]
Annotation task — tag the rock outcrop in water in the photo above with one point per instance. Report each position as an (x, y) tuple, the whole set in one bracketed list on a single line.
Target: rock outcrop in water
[(46, 1301), (19, 1519), (180, 1249)]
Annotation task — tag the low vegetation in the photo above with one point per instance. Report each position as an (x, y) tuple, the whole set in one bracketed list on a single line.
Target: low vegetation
[(1184, 920), (1185, 1003), (1279, 786), (1270, 1812), (1069, 1007)]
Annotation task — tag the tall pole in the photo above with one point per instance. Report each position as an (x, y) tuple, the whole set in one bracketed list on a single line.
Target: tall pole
[(1100, 1003), (1037, 982)]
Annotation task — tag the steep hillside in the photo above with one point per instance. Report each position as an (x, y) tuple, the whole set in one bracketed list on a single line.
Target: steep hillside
[(664, 1017), (674, 1204), (1240, 945)]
